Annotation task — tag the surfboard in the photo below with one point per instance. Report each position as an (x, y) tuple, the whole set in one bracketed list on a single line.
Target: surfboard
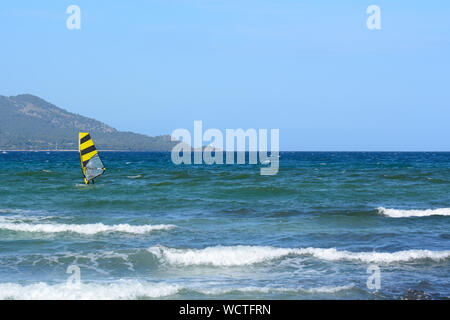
[(91, 164)]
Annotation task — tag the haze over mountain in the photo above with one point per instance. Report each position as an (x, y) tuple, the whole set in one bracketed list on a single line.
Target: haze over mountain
[(28, 122)]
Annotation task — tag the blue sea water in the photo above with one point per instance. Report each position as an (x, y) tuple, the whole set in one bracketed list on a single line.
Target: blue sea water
[(149, 229)]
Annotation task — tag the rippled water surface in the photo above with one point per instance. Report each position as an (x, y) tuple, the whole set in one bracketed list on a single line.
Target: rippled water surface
[(150, 229)]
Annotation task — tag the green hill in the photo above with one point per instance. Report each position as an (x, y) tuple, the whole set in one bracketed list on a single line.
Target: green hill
[(28, 122)]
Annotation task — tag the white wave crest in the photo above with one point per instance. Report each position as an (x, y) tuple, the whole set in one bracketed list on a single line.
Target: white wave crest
[(220, 255), (18, 211), (135, 177), (328, 289), (267, 290), (246, 255), (24, 218), (87, 229), (396, 213), (332, 254), (123, 289), (133, 289)]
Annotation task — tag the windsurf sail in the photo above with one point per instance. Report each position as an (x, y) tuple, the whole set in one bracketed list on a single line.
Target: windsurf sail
[(91, 164)]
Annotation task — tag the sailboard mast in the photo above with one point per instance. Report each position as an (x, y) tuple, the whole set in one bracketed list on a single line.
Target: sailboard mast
[(91, 164)]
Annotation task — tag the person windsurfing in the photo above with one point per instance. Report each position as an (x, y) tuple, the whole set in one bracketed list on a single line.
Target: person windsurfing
[(91, 164)]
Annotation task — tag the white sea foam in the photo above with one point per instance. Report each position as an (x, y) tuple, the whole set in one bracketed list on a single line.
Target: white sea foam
[(318, 290), (132, 289), (19, 211), (23, 218), (102, 262), (83, 185), (123, 289), (332, 254), (328, 289), (220, 255), (88, 229), (135, 177), (396, 213), (246, 255)]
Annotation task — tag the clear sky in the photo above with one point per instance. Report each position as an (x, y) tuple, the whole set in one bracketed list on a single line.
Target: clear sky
[(310, 68)]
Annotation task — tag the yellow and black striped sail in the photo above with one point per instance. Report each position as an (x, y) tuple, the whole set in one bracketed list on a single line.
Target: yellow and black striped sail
[(91, 164)]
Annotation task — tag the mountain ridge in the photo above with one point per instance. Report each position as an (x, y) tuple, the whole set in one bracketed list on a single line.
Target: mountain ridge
[(28, 122)]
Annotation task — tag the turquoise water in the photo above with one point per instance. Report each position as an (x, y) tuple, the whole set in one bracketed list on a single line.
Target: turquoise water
[(150, 229)]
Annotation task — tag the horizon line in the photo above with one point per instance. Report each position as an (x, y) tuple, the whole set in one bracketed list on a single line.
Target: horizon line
[(109, 150)]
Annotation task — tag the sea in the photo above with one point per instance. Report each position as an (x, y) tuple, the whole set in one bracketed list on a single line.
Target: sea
[(329, 225)]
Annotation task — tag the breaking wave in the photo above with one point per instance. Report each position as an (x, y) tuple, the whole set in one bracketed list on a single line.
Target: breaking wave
[(327, 289), (134, 289), (123, 289), (396, 213), (246, 255), (87, 229), (220, 255)]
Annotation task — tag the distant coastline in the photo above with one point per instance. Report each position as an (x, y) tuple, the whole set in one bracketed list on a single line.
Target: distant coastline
[(29, 123)]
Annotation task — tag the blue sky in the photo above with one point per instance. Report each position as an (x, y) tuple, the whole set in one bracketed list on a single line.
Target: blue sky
[(310, 68)]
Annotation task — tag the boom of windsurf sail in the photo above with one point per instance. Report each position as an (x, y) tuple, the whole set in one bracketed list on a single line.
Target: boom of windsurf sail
[(91, 164)]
